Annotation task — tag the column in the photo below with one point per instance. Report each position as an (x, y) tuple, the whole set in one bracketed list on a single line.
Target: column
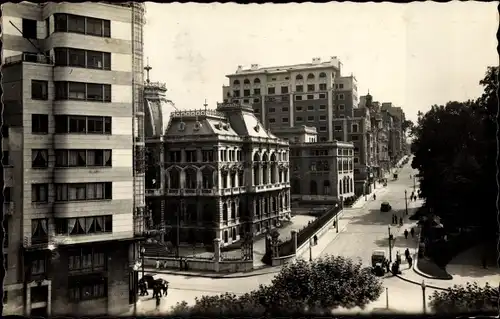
[(294, 240), (216, 254)]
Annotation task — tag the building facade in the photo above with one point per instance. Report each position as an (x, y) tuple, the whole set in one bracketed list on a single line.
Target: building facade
[(321, 171), (72, 139), (292, 95), (225, 176)]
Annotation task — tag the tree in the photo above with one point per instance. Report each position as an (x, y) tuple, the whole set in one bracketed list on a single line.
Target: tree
[(407, 127), (465, 299), (316, 287)]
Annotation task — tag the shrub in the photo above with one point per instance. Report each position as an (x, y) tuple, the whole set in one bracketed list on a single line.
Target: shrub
[(466, 299), (314, 287)]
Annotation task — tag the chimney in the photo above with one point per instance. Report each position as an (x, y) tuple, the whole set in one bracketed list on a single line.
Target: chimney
[(240, 68), (255, 66), (316, 60)]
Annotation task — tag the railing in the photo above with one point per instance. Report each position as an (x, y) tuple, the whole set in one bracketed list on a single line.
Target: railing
[(154, 192), (28, 57)]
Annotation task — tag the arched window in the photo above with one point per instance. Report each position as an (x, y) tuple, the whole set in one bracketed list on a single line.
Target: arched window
[(207, 178), (256, 169), (246, 81), (340, 188), (313, 188), (224, 212), (191, 178), (322, 75), (266, 205), (344, 185), (174, 178), (236, 82), (256, 81), (295, 186), (256, 157), (274, 168), (299, 77), (233, 210), (326, 187), (310, 76)]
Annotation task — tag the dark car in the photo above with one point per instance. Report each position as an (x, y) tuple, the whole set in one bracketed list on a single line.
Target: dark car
[(385, 207), (150, 279)]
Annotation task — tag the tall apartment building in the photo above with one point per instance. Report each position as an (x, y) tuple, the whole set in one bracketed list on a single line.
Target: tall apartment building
[(73, 145), (293, 95), (397, 136)]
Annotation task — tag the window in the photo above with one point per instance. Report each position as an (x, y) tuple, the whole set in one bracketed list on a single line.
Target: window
[(256, 81), (341, 107), (299, 88), (236, 93), (272, 120), (5, 158), (299, 77), (284, 109), (83, 191), (272, 110), (245, 101), (39, 230), (310, 97), (256, 100), (322, 87), (39, 124), (355, 128), (83, 158), (298, 98), (236, 82), (29, 29), (298, 108), (270, 90), (310, 88), (341, 96), (39, 90), (354, 138), (322, 107), (284, 89), (322, 117), (356, 160), (7, 194), (83, 25), (207, 156), (39, 158), (83, 91), (299, 119), (310, 107), (322, 75), (87, 288), (98, 60), (322, 128), (246, 92), (310, 76), (322, 96), (341, 86), (273, 79), (310, 118), (84, 226), (284, 120), (338, 128), (191, 156), (76, 24), (341, 116), (39, 193), (256, 91), (38, 266), (76, 57), (5, 130)]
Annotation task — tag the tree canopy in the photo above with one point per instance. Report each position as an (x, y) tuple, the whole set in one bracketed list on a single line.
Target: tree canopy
[(316, 287), (454, 150), (466, 299)]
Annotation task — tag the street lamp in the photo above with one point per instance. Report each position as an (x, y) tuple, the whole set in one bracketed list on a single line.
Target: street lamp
[(143, 250), (310, 250), (406, 202), (414, 186), (390, 243), (423, 295)]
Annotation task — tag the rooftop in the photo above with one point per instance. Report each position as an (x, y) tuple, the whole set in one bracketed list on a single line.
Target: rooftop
[(316, 63)]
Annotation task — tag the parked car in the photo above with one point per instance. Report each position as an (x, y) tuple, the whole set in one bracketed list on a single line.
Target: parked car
[(385, 207)]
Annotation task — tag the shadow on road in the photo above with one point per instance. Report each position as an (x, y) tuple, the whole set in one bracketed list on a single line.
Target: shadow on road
[(400, 243), (376, 217)]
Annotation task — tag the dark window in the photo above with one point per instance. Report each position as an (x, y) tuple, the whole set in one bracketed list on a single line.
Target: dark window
[(354, 138), (76, 24), (298, 98), (310, 118), (94, 27), (310, 97), (47, 28), (76, 57), (322, 87), (39, 90), (284, 120), (95, 92), (284, 89), (83, 191), (39, 158), (85, 288), (299, 88), (83, 124), (39, 123), (322, 106), (246, 92), (284, 109), (322, 118), (60, 56), (60, 22), (95, 60), (272, 120), (39, 193), (5, 158), (310, 88), (77, 124), (76, 91), (272, 110), (7, 194), (5, 130), (270, 90), (236, 93), (338, 128), (106, 28), (246, 101), (310, 107), (322, 96), (256, 100), (29, 29), (256, 91)]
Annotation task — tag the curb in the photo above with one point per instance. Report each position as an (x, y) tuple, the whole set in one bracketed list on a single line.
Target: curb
[(212, 275)]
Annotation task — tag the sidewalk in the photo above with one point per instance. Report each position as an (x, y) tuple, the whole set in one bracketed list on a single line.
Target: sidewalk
[(255, 272), (361, 202)]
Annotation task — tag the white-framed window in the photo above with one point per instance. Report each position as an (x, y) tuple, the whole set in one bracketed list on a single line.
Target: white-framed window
[(298, 97), (355, 128), (341, 107)]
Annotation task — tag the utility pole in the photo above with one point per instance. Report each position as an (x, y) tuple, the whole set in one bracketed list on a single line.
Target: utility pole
[(406, 202), (414, 186), (390, 243)]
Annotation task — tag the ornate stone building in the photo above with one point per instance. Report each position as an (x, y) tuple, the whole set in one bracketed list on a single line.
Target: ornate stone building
[(224, 176)]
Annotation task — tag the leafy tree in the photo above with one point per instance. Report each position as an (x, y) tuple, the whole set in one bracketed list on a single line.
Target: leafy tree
[(315, 287), (466, 299)]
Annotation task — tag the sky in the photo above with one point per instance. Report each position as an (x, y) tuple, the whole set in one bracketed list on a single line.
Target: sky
[(413, 55)]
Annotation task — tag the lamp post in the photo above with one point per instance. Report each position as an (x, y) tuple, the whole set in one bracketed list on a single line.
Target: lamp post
[(423, 296), (143, 250), (414, 186), (406, 202), (390, 243), (310, 250)]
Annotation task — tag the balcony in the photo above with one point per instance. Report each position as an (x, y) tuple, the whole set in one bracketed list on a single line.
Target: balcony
[(266, 188), (154, 192), (28, 57), (8, 208), (36, 243)]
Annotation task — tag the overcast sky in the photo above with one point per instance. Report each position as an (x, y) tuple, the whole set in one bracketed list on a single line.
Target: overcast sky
[(413, 55)]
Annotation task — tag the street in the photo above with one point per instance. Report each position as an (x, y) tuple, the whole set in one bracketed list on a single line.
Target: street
[(361, 231)]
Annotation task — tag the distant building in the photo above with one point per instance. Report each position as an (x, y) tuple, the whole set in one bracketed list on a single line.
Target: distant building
[(321, 171), (225, 176)]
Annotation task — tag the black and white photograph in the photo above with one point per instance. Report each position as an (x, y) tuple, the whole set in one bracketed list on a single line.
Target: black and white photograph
[(258, 159)]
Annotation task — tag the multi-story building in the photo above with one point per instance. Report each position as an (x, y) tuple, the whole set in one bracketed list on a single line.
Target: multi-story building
[(346, 96), (293, 95), (72, 140), (397, 136), (225, 175), (321, 171)]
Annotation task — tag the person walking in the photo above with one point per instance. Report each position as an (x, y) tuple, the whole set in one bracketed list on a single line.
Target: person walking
[(410, 262), (157, 264), (407, 253), (401, 221), (412, 232), (158, 301), (406, 233)]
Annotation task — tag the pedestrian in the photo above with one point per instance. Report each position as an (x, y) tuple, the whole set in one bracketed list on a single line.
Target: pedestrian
[(401, 221), (412, 232), (158, 300), (315, 240), (406, 233), (407, 253), (393, 219), (157, 264), (410, 262)]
